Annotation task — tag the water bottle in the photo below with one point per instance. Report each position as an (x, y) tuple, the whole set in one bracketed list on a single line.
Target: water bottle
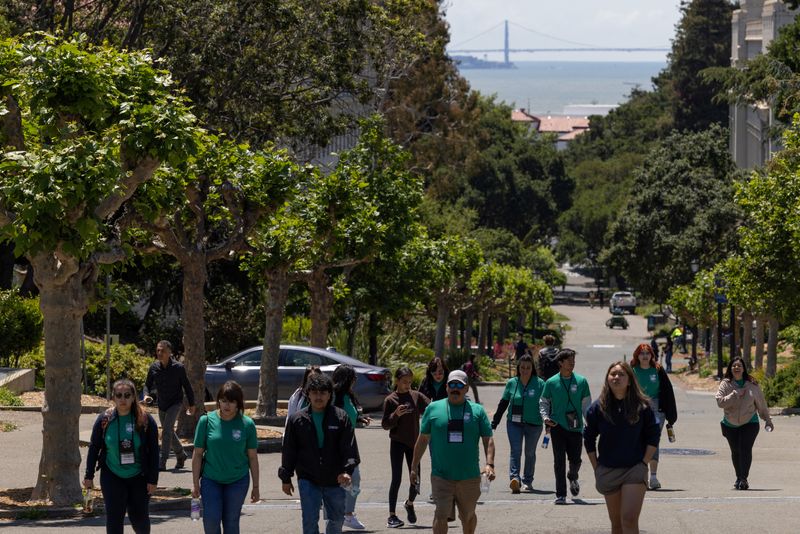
[(485, 482), (545, 441), (671, 434), (195, 509), (88, 500)]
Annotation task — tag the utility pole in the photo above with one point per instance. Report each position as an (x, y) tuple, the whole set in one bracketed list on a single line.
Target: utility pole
[(505, 50)]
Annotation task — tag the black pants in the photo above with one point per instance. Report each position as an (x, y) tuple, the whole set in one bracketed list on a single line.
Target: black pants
[(741, 440), (398, 451), (566, 445), (125, 494)]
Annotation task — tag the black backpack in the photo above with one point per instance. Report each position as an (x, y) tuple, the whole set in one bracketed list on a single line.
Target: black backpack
[(548, 362)]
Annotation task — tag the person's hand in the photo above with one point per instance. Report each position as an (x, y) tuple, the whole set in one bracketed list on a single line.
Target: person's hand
[(343, 479), (287, 488), (88, 483), (195, 492), (366, 420), (401, 410), (494, 425), (489, 470), (769, 427), (550, 423), (254, 495), (412, 476), (191, 410), (151, 489)]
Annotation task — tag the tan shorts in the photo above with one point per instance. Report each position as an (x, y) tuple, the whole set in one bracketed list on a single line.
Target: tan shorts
[(609, 480), (462, 493)]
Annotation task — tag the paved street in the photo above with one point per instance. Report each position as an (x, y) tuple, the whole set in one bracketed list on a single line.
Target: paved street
[(697, 494)]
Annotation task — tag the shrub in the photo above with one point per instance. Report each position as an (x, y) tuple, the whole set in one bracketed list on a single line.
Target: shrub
[(296, 330), (233, 322), (21, 326), (783, 389), (8, 398)]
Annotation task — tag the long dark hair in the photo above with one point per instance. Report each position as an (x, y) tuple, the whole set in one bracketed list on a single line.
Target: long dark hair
[(139, 415), (401, 372), (526, 358), (344, 377), (634, 402), (310, 369), (231, 391), (432, 365), (745, 375)]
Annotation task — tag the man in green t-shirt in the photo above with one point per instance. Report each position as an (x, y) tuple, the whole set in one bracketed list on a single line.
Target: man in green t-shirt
[(453, 427), (564, 400)]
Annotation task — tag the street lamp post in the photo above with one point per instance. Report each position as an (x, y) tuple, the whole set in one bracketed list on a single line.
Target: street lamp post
[(721, 298), (695, 265)]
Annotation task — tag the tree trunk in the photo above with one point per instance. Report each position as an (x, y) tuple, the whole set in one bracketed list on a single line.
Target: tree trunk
[(321, 305), (747, 337), (63, 305), (772, 347), (483, 331), (442, 313), (195, 274), (759, 353), (453, 332), (372, 333), (502, 335), (277, 294), (352, 327), (469, 320), (714, 348)]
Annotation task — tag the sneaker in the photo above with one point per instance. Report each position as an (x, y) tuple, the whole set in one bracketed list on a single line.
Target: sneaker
[(527, 487), (181, 462), (654, 483), (560, 500), (743, 485), (394, 522), (410, 513), (430, 498), (574, 487), (352, 522), (514, 485), (737, 483)]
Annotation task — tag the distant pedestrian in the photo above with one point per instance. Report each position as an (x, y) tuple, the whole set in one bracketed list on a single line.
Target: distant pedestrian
[(624, 421), (453, 427), (320, 446), (520, 347), (591, 299), (668, 354), (524, 423), (548, 358), (655, 384), (564, 400), (600, 297), (168, 377), (298, 400), (225, 452), (401, 412), (344, 380), (742, 401), (471, 370), (124, 446), (433, 385)]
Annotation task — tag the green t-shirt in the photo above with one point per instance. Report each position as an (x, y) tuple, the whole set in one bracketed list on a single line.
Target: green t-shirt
[(648, 380), (350, 408), (526, 396), (123, 428), (226, 444), (437, 386), (319, 418), (566, 395), (455, 461), (754, 419)]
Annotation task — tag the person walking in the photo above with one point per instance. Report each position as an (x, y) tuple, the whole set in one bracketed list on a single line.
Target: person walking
[(319, 444), (453, 427), (625, 424), (520, 347), (668, 347), (344, 379), (471, 370), (742, 402), (654, 382), (401, 412), (124, 447), (564, 400), (433, 385), (168, 377), (524, 422), (298, 400), (548, 358), (225, 450)]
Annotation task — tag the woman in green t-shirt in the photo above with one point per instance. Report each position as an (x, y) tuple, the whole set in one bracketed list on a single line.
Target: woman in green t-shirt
[(225, 449), (524, 423), (654, 382)]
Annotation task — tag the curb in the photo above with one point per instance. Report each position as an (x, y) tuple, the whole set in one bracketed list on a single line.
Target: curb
[(181, 503), (777, 410), (84, 409)]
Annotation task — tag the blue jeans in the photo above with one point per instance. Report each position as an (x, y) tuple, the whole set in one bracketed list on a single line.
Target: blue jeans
[(222, 503), (517, 433), (350, 499), (312, 497)]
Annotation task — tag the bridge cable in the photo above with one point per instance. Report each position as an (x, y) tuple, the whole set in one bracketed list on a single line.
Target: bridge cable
[(476, 36)]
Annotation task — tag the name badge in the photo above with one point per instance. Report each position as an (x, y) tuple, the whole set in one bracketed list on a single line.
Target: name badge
[(653, 378), (531, 392), (126, 454), (516, 413), (455, 431), (574, 388)]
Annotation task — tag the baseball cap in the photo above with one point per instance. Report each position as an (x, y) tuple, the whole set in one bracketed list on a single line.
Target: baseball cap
[(457, 376)]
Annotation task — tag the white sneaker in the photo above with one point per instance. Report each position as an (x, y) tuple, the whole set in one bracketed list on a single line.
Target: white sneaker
[(527, 487), (654, 483), (352, 522)]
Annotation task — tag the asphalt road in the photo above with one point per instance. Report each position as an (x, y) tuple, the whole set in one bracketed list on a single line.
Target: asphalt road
[(697, 494)]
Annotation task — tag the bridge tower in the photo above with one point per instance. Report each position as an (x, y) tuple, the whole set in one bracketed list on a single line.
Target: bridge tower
[(505, 48)]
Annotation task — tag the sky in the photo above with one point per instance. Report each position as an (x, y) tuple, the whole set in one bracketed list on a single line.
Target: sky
[(601, 23)]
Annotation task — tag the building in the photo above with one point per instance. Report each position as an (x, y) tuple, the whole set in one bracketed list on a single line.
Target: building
[(564, 127), (754, 25)]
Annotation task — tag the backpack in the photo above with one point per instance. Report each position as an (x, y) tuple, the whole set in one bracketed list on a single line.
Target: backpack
[(548, 362)]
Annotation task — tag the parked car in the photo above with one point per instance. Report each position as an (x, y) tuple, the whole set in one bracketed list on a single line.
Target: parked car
[(372, 383), (623, 300), (617, 320)]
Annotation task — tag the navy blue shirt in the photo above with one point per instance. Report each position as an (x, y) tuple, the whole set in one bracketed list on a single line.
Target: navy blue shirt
[(621, 443)]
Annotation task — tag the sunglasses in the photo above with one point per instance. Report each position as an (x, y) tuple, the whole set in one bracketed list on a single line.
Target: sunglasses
[(126, 395), (456, 385)]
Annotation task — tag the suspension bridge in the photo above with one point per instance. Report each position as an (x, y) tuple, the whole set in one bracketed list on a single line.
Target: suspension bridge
[(575, 46)]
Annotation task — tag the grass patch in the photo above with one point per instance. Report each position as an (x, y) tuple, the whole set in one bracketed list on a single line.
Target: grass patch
[(9, 398), (181, 491), (5, 426)]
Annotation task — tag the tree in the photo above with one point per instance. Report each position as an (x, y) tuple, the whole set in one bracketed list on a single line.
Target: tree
[(681, 210), (83, 128)]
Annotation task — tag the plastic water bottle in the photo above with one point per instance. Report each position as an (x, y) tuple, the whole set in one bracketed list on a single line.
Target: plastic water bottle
[(485, 483), (671, 434), (195, 509), (88, 500), (545, 441)]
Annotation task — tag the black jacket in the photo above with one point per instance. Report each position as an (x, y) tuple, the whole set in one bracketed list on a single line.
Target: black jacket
[(666, 397), (427, 389), (169, 381), (322, 466), (96, 458)]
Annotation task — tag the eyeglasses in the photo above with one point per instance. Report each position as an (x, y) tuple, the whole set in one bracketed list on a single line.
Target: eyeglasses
[(126, 395), (456, 385)]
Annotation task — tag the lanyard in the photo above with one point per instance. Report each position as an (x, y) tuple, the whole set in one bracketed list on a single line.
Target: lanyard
[(567, 389), (463, 409)]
